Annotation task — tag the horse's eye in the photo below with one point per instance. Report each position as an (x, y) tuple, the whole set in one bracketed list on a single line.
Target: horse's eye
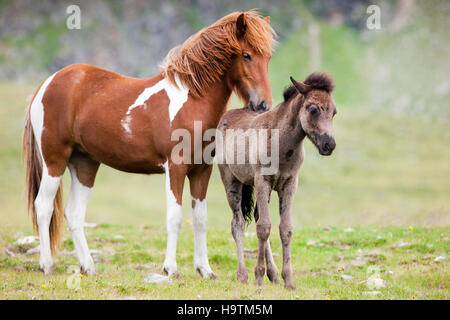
[(246, 56)]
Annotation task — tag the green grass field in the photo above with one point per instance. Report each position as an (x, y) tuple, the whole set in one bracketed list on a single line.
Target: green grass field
[(387, 174), (388, 180)]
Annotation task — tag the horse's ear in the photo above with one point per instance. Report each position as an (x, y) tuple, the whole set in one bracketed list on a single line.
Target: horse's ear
[(267, 19), (241, 26), (301, 87)]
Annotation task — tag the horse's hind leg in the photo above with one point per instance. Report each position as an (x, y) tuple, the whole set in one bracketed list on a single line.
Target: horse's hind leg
[(44, 210), (198, 179), (233, 188), (82, 170)]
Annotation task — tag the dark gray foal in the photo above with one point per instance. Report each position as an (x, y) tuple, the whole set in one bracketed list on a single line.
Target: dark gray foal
[(307, 111)]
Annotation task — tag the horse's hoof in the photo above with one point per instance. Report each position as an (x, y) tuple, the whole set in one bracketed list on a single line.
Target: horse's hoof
[(206, 274), (171, 272), (88, 271), (48, 270)]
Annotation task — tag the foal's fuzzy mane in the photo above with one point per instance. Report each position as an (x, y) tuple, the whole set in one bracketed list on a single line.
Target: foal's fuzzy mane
[(316, 80), (205, 56)]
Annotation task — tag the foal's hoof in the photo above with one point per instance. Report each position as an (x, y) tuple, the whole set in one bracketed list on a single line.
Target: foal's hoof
[(242, 277), (289, 286), (273, 276)]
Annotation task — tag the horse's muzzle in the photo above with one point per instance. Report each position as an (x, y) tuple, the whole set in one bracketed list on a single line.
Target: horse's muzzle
[(326, 144), (260, 107)]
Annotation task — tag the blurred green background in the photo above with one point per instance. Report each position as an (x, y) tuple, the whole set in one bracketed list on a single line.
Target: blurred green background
[(391, 165)]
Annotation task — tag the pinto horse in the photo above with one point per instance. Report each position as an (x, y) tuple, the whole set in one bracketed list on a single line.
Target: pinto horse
[(83, 116)]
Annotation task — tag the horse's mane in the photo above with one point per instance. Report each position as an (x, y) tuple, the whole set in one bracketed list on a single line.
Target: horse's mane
[(204, 57), (316, 80)]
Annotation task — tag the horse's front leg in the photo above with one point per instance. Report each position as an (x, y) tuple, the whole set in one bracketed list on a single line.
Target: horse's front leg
[(198, 180), (175, 175), (263, 190), (286, 193)]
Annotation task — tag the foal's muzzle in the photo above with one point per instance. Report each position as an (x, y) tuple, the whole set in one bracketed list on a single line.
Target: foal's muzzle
[(326, 144), (260, 107)]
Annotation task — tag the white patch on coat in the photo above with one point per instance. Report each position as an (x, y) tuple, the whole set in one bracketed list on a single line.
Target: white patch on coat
[(177, 97), (173, 223), (37, 112)]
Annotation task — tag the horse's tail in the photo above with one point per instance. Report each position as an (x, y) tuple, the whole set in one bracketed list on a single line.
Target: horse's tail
[(248, 204), (33, 162)]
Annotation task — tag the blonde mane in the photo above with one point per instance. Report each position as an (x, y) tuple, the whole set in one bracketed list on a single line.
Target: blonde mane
[(204, 57)]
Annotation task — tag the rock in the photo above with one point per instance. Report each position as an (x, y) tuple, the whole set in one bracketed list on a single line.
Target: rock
[(376, 283), (346, 277), (347, 230), (326, 228), (371, 293), (440, 258), (157, 278), (310, 243), (90, 225), (119, 237), (33, 251), (26, 240), (9, 252), (250, 234), (403, 244)]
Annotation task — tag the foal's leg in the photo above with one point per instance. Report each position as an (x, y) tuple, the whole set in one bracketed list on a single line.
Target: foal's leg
[(263, 189), (286, 194), (199, 179), (175, 175), (233, 188), (272, 271), (83, 171)]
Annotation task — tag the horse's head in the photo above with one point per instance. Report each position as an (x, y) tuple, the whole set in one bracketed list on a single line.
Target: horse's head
[(248, 75), (317, 111)]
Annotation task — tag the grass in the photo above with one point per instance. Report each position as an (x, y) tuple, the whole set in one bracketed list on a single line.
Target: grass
[(402, 257), (390, 171)]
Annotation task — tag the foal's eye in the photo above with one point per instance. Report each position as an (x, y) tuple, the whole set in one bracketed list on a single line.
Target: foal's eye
[(313, 110), (246, 56)]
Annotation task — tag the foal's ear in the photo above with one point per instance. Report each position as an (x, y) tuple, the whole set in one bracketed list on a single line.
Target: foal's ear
[(267, 19), (241, 26), (301, 87)]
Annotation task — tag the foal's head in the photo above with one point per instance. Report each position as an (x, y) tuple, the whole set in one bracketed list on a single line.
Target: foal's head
[(249, 72), (316, 110)]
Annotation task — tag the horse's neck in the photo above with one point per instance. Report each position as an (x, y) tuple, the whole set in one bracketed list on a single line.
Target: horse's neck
[(216, 100)]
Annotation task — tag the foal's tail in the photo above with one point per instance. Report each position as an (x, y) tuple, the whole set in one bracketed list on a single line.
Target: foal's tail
[(248, 204), (33, 162)]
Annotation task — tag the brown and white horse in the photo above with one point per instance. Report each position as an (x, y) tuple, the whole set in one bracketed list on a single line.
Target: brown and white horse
[(83, 116)]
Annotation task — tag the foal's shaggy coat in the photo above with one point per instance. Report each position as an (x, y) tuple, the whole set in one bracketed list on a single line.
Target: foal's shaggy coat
[(308, 110)]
